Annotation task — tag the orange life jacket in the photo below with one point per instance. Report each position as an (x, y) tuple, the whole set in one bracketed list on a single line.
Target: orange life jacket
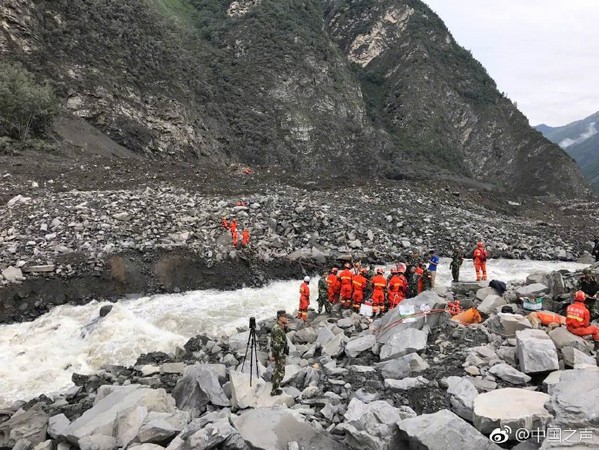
[(379, 282), (346, 276), (577, 315)]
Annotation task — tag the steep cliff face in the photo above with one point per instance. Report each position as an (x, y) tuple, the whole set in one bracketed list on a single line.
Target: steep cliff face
[(321, 87), (437, 101)]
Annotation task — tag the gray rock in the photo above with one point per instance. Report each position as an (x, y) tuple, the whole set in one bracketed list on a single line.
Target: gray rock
[(490, 304), (358, 345), (238, 341), (536, 351), (98, 442), (57, 425), (146, 447), (551, 380), (273, 429), (507, 324), (198, 387), (538, 278), (516, 408), (335, 346), (366, 397), (305, 336), (462, 394), (291, 371), (176, 368), (574, 358), (509, 374), (110, 401), (485, 292), (406, 384), (256, 396), (159, 427), (441, 430), (373, 425), (574, 403), (128, 423), (532, 290), (345, 323), (12, 274), (22, 444), (46, 445), (410, 340), (214, 435), (403, 367), (562, 338), (30, 425)]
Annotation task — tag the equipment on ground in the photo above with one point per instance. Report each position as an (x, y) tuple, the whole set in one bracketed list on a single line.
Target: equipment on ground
[(253, 349)]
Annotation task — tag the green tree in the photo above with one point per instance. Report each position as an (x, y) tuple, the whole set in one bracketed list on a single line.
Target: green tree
[(26, 107)]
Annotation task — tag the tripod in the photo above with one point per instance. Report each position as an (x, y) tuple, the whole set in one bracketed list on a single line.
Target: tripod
[(253, 349)]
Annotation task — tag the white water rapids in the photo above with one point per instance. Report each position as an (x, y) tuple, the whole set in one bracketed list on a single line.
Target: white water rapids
[(39, 357)]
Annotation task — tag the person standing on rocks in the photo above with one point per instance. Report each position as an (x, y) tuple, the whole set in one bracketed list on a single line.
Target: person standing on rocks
[(480, 256), (234, 233), (394, 288), (334, 286), (279, 350), (379, 283), (323, 294), (433, 263), (359, 283), (304, 303), (578, 318), (346, 276), (245, 238), (457, 259)]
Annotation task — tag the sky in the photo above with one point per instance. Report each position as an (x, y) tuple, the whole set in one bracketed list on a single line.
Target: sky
[(544, 54)]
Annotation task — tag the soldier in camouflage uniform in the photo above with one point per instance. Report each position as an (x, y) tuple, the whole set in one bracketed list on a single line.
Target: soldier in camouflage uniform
[(589, 285), (457, 259), (279, 350), (323, 293)]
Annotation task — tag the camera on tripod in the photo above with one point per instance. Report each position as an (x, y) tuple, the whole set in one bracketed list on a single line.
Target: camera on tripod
[(252, 323), (252, 350)]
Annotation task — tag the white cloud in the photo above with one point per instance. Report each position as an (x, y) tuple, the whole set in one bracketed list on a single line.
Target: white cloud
[(544, 54)]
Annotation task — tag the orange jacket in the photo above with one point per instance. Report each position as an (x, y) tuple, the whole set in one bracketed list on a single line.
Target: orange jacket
[(577, 315), (233, 225), (394, 284), (359, 282), (379, 282), (548, 317), (480, 255), (333, 281), (245, 237), (304, 291), (346, 276)]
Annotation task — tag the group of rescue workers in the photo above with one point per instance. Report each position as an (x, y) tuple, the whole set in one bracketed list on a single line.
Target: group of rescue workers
[(232, 227)]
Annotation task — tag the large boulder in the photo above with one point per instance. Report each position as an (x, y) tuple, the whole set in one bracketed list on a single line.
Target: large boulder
[(441, 430), (516, 408), (30, 425), (218, 434), (373, 425), (360, 344), (462, 394), (485, 292), (274, 429), (113, 401), (465, 287), (403, 366), (532, 290), (158, 427), (198, 387), (408, 341), (562, 338), (507, 324), (490, 304), (509, 374), (574, 358), (255, 396), (394, 321), (574, 403), (536, 351)]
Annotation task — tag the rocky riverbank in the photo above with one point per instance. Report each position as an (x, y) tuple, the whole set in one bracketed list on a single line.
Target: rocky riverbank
[(109, 243), (398, 382)]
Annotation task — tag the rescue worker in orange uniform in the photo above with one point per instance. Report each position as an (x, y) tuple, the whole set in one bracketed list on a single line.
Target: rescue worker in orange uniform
[(346, 276), (334, 286), (393, 287), (403, 283), (359, 283), (304, 299), (234, 233), (418, 271), (245, 238), (379, 283), (225, 223), (480, 256), (578, 318)]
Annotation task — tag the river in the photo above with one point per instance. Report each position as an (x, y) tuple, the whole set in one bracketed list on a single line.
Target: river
[(40, 357)]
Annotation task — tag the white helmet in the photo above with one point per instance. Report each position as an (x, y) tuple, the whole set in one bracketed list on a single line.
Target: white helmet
[(307, 279)]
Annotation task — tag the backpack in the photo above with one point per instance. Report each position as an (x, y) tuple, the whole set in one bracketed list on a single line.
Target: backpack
[(499, 286)]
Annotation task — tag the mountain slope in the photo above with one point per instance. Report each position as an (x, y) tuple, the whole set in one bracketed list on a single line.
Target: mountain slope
[(317, 87), (580, 139)]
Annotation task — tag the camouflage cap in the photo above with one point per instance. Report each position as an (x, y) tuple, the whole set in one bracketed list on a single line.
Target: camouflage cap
[(281, 312)]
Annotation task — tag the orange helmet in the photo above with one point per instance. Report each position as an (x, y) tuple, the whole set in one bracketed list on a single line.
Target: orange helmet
[(393, 270), (580, 296), (380, 270), (479, 244)]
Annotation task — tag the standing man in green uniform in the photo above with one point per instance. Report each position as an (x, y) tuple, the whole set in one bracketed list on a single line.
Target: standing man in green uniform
[(323, 293), (279, 350), (457, 259)]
